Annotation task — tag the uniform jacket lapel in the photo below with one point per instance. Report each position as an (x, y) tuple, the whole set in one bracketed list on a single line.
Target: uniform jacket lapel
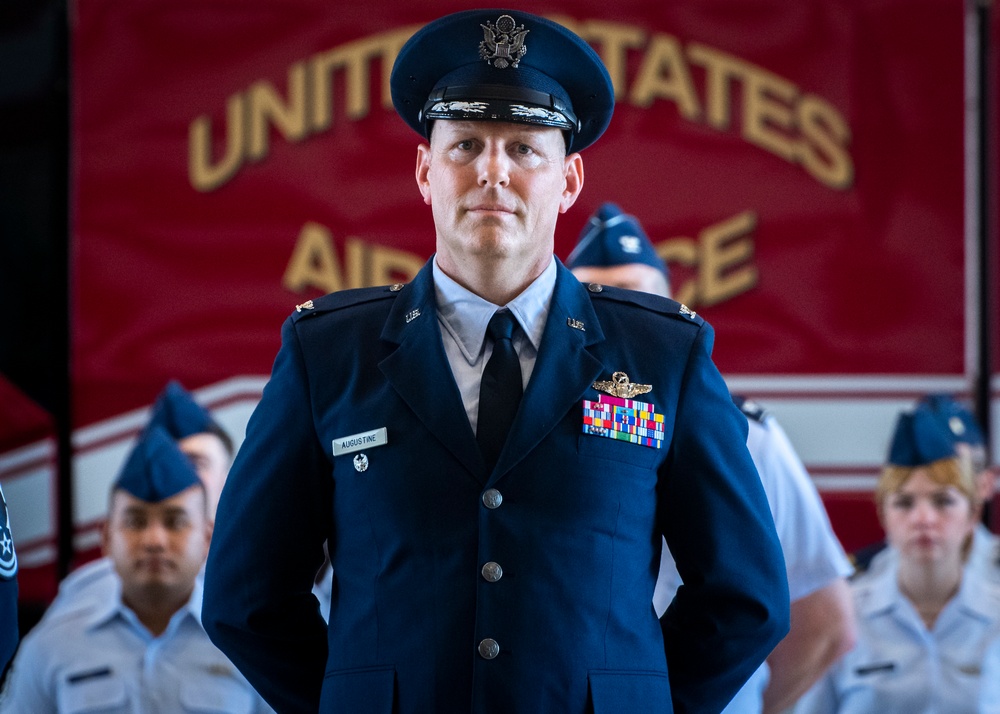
[(563, 372), (418, 370)]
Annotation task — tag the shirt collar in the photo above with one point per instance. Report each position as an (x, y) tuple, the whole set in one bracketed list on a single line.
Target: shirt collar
[(465, 315), (113, 608), (975, 595)]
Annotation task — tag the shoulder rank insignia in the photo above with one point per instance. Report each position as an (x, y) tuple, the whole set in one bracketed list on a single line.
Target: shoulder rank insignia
[(503, 43), (688, 312), (307, 305), (620, 386)]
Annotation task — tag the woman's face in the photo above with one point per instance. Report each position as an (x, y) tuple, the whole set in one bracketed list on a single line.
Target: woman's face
[(926, 521)]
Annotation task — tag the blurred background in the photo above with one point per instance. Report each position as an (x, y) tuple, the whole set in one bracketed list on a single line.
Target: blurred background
[(175, 176)]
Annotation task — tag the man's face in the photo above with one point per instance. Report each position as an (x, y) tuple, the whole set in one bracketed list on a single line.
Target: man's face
[(211, 460), (496, 189), (157, 548), (634, 276)]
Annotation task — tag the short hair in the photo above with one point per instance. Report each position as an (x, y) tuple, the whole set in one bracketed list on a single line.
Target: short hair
[(227, 441)]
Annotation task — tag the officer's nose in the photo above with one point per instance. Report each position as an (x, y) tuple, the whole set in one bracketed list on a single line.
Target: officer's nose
[(493, 165)]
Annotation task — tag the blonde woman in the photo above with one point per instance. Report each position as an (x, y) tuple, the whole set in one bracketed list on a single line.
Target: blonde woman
[(923, 626)]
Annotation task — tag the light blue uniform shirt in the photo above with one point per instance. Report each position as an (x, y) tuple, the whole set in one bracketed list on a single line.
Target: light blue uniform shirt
[(989, 695), (983, 560), (899, 666), (98, 658), (463, 317)]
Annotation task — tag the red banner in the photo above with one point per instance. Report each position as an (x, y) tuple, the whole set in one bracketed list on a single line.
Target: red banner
[(800, 165)]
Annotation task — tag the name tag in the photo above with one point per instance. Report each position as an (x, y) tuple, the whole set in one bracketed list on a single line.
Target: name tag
[(357, 442), (877, 668)]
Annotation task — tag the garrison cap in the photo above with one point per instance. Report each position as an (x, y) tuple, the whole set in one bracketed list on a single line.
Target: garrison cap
[(954, 418), (503, 65), (612, 237), (176, 411), (156, 469), (919, 440)]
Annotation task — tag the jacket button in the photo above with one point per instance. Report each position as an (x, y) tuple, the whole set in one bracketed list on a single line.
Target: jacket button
[(492, 572), (595, 287), (488, 649), (492, 498)]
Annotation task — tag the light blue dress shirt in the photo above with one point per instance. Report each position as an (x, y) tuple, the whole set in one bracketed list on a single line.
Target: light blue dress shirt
[(899, 666), (463, 317), (100, 659)]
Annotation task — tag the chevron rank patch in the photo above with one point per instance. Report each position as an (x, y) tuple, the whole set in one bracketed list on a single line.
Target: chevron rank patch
[(623, 420)]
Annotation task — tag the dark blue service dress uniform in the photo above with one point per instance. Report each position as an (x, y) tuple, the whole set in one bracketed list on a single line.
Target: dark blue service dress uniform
[(524, 589)]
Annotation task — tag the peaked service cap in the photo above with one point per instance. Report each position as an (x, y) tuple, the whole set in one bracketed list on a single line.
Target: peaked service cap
[(502, 65)]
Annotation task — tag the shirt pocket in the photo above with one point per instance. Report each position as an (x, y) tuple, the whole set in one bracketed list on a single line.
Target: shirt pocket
[(97, 691), (207, 693)]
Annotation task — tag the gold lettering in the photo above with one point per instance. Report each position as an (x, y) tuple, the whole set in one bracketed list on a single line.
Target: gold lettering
[(614, 41), (355, 59), (201, 173), (389, 265), (723, 248), (314, 262), (766, 106), (267, 109), (685, 252), (664, 75), (826, 135), (356, 257), (720, 68)]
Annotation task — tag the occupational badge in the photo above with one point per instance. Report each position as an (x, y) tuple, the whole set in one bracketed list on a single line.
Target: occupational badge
[(360, 463), (620, 386), (503, 43)]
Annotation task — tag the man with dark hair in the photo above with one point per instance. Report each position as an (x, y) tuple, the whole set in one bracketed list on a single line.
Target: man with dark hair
[(209, 449), (144, 649), (493, 451)]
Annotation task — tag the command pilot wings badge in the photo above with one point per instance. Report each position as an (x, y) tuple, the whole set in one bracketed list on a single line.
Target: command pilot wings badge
[(620, 386), (503, 43)]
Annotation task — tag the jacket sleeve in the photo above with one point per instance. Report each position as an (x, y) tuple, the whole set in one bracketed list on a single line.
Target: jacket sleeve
[(267, 545), (733, 606)]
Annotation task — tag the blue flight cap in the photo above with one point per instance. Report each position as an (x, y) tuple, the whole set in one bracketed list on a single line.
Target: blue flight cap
[(503, 65), (919, 440), (156, 469), (612, 237), (176, 411), (955, 418)]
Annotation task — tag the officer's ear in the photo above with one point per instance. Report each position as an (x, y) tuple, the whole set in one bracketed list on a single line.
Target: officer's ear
[(423, 167), (573, 174)]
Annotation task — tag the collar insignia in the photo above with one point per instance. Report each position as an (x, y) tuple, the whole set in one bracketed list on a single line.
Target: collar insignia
[(620, 386), (503, 43)]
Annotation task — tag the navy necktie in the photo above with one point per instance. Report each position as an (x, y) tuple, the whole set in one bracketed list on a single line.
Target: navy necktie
[(500, 390)]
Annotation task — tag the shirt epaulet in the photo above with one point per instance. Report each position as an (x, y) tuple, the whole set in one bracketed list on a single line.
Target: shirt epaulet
[(751, 409), (344, 299), (648, 301)]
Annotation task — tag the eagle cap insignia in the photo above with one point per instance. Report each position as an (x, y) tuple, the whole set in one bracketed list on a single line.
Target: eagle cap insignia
[(503, 43), (620, 386)]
